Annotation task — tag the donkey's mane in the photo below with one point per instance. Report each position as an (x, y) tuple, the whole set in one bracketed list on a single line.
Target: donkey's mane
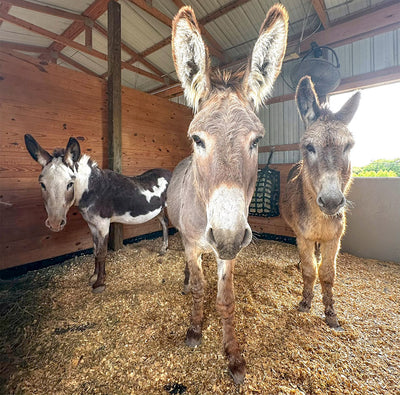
[(59, 153), (226, 79), (84, 159)]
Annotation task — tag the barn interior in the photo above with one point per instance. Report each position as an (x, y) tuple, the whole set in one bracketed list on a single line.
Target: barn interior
[(59, 78)]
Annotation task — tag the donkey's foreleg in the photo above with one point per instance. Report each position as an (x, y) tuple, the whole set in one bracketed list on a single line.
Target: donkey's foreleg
[(164, 224), (100, 238), (226, 308), (196, 284), (327, 273), (309, 271)]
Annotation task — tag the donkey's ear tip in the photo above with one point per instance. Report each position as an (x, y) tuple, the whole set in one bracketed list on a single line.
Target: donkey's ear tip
[(276, 12), (185, 12)]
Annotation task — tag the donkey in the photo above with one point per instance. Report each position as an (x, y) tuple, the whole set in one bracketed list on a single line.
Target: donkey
[(210, 191), (103, 196), (314, 205)]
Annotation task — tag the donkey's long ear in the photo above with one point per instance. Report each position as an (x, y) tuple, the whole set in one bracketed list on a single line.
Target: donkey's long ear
[(346, 113), (190, 57), (72, 152), (37, 152), (267, 57), (307, 101)]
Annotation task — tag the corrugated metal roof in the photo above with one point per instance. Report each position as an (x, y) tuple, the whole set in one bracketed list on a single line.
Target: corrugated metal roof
[(235, 32)]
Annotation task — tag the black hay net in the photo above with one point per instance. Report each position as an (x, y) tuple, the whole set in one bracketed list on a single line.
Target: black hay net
[(265, 201)]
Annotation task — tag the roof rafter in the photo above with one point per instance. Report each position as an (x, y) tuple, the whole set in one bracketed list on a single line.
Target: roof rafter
[(142, 4), (70, 43), (77, 65), (46, 10), (4, 8), (22, 47), (320, 9), (379, 21)]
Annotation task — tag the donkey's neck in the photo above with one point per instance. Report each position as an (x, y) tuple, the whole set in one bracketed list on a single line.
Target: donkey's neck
[(84, 169)]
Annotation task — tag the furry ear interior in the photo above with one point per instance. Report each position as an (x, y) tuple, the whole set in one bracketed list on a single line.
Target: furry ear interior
[(267, 57), (72, 152), (307, 101), (190, 57), (37, 152), (346, 113)]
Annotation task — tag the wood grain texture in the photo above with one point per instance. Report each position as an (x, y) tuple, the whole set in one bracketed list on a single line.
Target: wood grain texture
[(54, 103)]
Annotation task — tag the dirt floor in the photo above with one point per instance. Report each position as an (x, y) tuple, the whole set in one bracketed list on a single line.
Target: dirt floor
[(56, 337)]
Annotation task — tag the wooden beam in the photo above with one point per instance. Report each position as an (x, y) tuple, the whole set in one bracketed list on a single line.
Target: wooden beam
[(46, 10), (4, 8), (88, 36), (22, 47), (222, 11), (382, 20), (55, 37), (77, 65), (281, 147), (208, 18), (320, 9), (144, 5), (368, 80), (94, 11), (114, 106), (131, 52), (67, 42)]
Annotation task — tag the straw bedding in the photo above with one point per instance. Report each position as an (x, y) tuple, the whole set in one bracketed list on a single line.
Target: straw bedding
[(57, 337)]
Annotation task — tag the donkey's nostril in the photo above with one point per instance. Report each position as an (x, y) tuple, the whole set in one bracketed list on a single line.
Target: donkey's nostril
[(62, 223), (47, 223), (246, 238), (210, 237), (320, 201)]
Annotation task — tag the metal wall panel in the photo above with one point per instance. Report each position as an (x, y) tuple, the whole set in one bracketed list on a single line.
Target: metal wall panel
[(281, 120)]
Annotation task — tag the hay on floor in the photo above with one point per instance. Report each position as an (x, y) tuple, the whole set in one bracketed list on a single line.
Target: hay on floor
[(58, 337)]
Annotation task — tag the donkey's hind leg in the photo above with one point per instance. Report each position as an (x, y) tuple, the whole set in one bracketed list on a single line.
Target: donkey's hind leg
[(164, 224), (309, 271), (327, 273), (196, 284)]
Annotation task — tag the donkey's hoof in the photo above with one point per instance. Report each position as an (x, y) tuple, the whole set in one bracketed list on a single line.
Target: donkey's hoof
[(92, 279), (193, 338), (237, 369), (163, 251), (333, 322), (99, 289), (186, 289), (304, 307)]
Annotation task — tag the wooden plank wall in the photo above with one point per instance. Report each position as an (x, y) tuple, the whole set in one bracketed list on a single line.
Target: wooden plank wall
[(53, 103), (274, 225)]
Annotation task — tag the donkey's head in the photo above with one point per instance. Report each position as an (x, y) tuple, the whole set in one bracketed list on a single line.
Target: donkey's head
[(325, 147), (56, 179), (225, 129)]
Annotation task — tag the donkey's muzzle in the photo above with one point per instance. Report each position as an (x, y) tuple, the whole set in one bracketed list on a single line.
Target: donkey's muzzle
[(331, 203), (55, 225), (228, 243)]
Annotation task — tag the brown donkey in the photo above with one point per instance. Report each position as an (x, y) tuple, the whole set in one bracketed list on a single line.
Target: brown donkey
[(314, 204), (210, 191)]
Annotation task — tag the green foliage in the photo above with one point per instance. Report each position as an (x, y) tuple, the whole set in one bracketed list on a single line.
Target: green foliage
[(379, 168)]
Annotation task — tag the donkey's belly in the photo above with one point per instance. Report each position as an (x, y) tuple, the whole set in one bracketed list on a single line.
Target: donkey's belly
[(128, 219)]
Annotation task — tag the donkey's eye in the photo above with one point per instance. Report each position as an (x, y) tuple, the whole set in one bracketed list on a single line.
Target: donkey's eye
[(70, 185), (255, 142), (43, 186), (310, 148), (347, 148), (198, 141)]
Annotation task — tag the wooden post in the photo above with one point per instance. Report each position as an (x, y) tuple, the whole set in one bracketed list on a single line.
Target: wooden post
[(114, 106)]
